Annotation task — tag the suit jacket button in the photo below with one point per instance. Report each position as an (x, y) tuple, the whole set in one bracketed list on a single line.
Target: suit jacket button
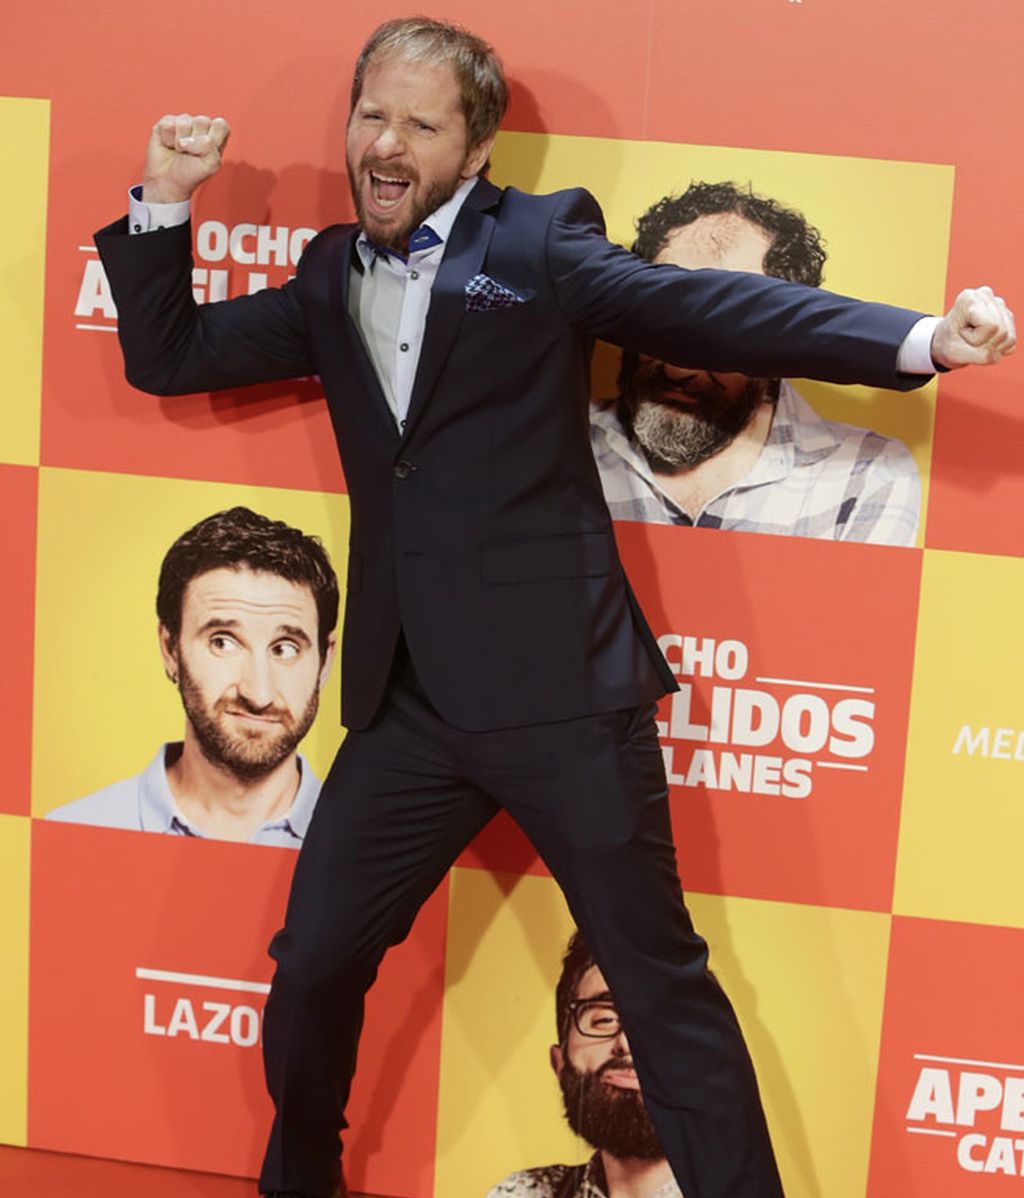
[(403, 469)]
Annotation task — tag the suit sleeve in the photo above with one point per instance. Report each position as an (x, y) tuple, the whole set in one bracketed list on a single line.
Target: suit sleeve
[(174, 346), (716, 320)]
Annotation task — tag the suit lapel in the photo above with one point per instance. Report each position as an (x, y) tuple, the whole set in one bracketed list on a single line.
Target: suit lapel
[(355, 351), (463, 257)]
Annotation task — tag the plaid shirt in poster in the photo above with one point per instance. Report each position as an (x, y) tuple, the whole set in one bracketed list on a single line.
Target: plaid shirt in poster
[(566, 1181), (813, 478)]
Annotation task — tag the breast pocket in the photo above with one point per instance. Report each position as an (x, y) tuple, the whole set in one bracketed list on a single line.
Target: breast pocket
[(484, 294), (517, 320)]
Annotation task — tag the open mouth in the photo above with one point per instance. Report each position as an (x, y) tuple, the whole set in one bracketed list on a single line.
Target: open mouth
[(678, 397), (388, 191), (678, 388)]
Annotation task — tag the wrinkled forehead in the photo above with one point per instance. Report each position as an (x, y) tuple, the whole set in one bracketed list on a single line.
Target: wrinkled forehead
[(247, 595), (390, 72), (723, 241), (405, 89)]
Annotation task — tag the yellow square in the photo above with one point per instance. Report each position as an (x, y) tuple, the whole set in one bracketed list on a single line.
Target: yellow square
[(499, 1106), (25, 136), (807, 982), (14, 883), (808, 985), (885, 225), (102, 703), (962, 820)]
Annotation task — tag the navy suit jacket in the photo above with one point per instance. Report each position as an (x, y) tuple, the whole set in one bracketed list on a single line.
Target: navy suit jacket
[(480, 528)]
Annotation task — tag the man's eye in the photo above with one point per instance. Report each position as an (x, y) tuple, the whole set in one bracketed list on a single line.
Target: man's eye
[(222, 643), (286, 650), (425, 128)]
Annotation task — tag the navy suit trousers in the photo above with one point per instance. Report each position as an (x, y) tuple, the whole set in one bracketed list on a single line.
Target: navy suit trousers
[(402, 800)]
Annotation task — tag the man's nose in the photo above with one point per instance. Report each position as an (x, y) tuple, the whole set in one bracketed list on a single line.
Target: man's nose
[(390, 142), (255, 681), (679, 374)]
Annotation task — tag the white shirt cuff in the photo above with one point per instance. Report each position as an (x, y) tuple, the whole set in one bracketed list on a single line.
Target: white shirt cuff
[(144, 218), (915, 354)]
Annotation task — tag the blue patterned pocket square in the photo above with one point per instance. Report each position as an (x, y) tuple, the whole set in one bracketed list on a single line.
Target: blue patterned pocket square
[(484, 294)]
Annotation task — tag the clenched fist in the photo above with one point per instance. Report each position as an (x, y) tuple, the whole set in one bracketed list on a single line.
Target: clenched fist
[(183, 151), (977, 331)]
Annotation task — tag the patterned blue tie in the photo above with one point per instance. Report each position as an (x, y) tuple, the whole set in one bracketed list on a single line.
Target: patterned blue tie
[(423, 239)]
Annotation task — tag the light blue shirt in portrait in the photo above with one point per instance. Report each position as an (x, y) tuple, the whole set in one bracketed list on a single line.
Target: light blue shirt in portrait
[(144, 803)]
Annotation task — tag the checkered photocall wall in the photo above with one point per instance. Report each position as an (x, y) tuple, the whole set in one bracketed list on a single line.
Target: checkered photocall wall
[(856, 868)]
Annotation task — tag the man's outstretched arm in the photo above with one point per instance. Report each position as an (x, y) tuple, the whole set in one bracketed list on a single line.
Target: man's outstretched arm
[(758, 326)]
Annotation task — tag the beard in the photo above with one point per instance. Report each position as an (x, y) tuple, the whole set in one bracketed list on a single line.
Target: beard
[(610, 1119), (396, 236), (248, 756), (676, 436)]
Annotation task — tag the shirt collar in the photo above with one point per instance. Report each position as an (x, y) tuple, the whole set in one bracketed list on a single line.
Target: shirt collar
[(798, 437), (160, 813), (157, 808), (594, 1185), (434, 231), (296, 818)]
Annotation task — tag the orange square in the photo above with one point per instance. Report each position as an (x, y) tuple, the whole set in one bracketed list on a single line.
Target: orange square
[(148, 978), (977, 486), (761, 74), (17, 603), (949, 1112), (784, 746), (281, 176), (276, 434)]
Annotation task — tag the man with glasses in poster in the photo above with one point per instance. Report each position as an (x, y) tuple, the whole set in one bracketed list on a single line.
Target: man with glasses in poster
[(601, 1098)]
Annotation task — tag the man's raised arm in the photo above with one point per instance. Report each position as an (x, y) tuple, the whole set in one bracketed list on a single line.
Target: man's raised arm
[(171, 345)]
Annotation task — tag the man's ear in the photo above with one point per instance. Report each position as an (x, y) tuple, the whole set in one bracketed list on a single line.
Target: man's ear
[(325, 665), (477, 158), (556, 1058), (169, 652)]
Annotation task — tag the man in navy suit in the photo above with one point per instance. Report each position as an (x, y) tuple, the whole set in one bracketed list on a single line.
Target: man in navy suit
[(493, 654)]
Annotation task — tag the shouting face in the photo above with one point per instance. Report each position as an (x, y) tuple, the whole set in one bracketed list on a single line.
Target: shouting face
[(407, 149)]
